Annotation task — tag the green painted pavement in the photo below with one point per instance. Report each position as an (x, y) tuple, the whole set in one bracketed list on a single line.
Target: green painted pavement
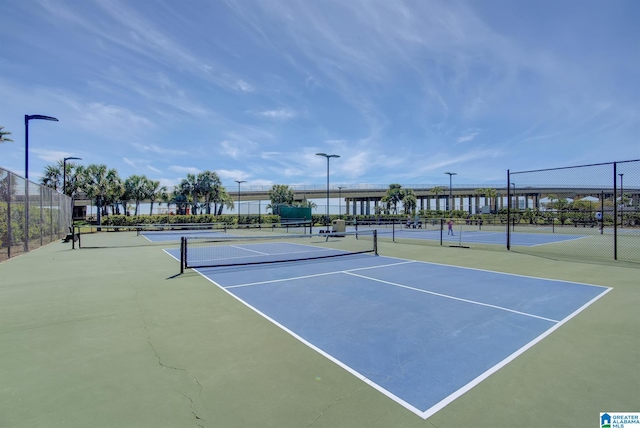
[(112, 338)]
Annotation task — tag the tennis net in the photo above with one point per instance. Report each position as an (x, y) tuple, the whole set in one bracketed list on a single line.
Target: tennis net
[(142, 234), (200, 252)]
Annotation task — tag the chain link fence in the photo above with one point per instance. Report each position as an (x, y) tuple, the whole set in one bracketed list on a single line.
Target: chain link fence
[(592, 211), (31, 215)]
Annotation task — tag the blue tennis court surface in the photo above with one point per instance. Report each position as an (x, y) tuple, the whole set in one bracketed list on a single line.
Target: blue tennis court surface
[(420, 333), (481, 237)]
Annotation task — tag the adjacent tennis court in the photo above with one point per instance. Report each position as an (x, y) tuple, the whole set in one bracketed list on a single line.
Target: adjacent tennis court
[(476, 236), (421, 333)]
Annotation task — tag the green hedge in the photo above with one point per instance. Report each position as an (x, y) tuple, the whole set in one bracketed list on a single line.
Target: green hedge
[(228, 219)]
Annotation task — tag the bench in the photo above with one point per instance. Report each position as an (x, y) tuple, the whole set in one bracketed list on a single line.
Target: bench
[(71, 236), (413, 225)]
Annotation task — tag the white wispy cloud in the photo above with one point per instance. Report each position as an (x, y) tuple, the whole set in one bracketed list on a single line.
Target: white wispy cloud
[(141, 165), (230, 149), (282, 114), (468, 137), (244, 86), (184, 169), (232, 175), (50, 155), (95, 115), (154, 148)]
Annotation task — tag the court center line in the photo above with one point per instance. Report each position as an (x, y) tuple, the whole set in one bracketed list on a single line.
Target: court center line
[(453, 297), (249, 284)]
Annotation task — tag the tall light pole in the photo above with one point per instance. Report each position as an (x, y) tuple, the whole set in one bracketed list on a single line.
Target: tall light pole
[(27, 118), (64, 181), (328, 157), (621, 200), (340, 201), (239, 182), (449, 208), (515, 205), (64, 173)]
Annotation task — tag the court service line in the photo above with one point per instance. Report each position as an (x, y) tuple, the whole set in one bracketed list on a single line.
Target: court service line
[(446, 296), (249, 284), (247, 249)]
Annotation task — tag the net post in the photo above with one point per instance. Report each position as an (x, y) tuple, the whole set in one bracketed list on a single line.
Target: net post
[(183, 253), (375, 241), (393, 229)]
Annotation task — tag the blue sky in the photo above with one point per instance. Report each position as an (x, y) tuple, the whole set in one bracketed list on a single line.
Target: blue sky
[(402, 90)]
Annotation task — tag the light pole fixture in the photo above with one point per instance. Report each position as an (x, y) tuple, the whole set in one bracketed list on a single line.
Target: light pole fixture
[(621, 200), (64, 182), (64, 173), (340, 201), (328, 158), (27, 118), (239, 182), (450, 190)]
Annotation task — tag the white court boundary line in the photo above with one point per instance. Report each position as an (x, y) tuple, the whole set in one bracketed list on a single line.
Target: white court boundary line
[(249, 284), (456, 394), (446, 296)]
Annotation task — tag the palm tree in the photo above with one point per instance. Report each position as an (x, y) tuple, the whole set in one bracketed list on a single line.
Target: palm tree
[(209, 185), (100, 184), (394, 195), (164, 197), (224, 200), (73, 172), (135, 188), (492, 194), (52, 176), (181, 200), (189, 188), (551, 204), (278, 195), (306, 204), (3, 135), (437, 191), (154, 191), (410, 202)]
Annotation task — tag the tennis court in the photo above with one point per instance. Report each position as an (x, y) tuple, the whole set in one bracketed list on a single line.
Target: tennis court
[(418, 336), (420, 333)]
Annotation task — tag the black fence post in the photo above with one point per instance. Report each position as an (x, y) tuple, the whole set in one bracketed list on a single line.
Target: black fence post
[(508, 209), (615, 211)]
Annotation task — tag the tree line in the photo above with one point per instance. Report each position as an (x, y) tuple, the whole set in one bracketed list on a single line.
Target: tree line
[(201, 193)]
